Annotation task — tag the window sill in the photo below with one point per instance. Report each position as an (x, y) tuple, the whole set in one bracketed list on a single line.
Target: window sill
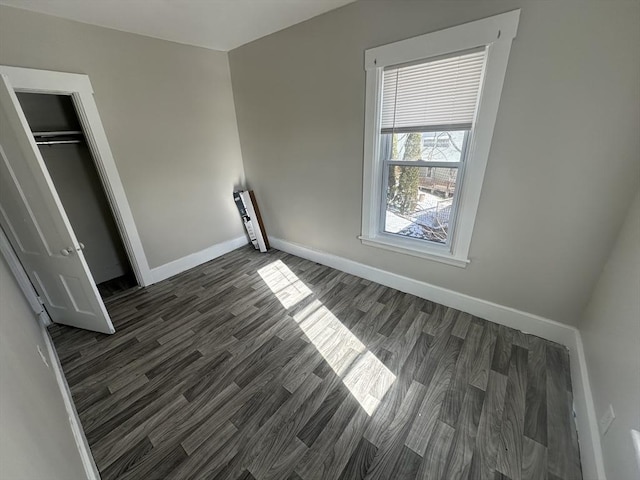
[(427, 253)]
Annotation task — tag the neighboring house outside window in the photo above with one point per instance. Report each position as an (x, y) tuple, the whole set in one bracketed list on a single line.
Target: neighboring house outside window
[(431, 107)]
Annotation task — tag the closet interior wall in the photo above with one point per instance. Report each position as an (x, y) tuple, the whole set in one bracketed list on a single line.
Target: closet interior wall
[(73, 171)]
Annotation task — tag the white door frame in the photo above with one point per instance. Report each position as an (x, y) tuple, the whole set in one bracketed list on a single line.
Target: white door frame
[(78, 86)]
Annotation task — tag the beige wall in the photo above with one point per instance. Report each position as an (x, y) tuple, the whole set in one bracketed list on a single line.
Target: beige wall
[(35, 437), (610, 328), (563, 164), (169, 116)]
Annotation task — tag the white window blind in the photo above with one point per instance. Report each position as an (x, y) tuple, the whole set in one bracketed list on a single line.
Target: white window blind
[(435, 94)]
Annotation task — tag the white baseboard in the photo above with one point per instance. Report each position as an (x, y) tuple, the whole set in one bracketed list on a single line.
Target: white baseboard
[(185, 263), (590, 449), (525, 322), (89, 464), (586, 420)]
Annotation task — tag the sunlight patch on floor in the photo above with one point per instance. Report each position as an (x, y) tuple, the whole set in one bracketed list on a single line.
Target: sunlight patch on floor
[(284, 284), (362, 373)]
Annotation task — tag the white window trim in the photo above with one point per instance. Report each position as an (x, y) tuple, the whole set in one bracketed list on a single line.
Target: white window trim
[(495, 34)]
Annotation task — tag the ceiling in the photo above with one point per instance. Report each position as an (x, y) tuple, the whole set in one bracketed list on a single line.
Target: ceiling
[(216, 24)]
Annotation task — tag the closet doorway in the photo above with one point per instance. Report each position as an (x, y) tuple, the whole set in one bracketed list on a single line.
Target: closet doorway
[(61, 141), (34, 219)]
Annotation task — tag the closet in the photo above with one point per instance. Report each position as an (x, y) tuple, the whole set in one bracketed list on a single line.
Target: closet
[(58, 133)]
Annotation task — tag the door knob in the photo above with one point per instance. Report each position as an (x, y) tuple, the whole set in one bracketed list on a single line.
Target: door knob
[(65, 252)]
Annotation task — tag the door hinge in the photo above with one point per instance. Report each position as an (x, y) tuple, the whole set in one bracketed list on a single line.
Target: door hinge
[(40, 299)]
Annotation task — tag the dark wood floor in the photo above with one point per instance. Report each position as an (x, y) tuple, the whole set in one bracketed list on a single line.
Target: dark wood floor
[(268, 366), (117, 285)]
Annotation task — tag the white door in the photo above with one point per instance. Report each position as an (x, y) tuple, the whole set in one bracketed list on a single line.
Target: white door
[(34, 220)]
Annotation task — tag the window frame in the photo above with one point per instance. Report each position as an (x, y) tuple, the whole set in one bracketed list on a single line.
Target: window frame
[(494, 34), (459, 166)]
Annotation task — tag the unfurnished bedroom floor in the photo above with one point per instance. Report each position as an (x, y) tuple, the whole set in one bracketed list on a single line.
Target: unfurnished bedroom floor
[(268, 366)]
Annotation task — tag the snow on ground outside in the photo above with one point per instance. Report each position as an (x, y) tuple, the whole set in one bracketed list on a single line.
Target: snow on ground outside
[(395, 223)]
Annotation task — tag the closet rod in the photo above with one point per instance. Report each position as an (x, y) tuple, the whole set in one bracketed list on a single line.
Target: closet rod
[(55, 133), (57, 142)]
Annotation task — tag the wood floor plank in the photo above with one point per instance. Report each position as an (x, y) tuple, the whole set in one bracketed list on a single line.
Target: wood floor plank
[(137, 412), (452, 401), (215, 421), (535, 413), (435, 457), (360, 461), (206, 460), (129, 458), (248, 422), (111, 447), (188, 419), (534, 460), (140, 359), (393, 439), (312, 463), (483, 463), (400, 348), (268, 366), (411, 319), (329, 455), (316, 424), (461, 326), (386, 411), (509, 460), (274, 437), (157, 464), (101, 417), (466, 429), (561, 459), (482, 365), (435, 318), (440, 338), (407, 465), (212, 372), (247, 476), (429, 412), (78, 367), (285, 462), (502, 350)]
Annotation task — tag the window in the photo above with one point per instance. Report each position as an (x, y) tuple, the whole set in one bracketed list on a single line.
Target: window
[(427, 116), (431, 107)]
